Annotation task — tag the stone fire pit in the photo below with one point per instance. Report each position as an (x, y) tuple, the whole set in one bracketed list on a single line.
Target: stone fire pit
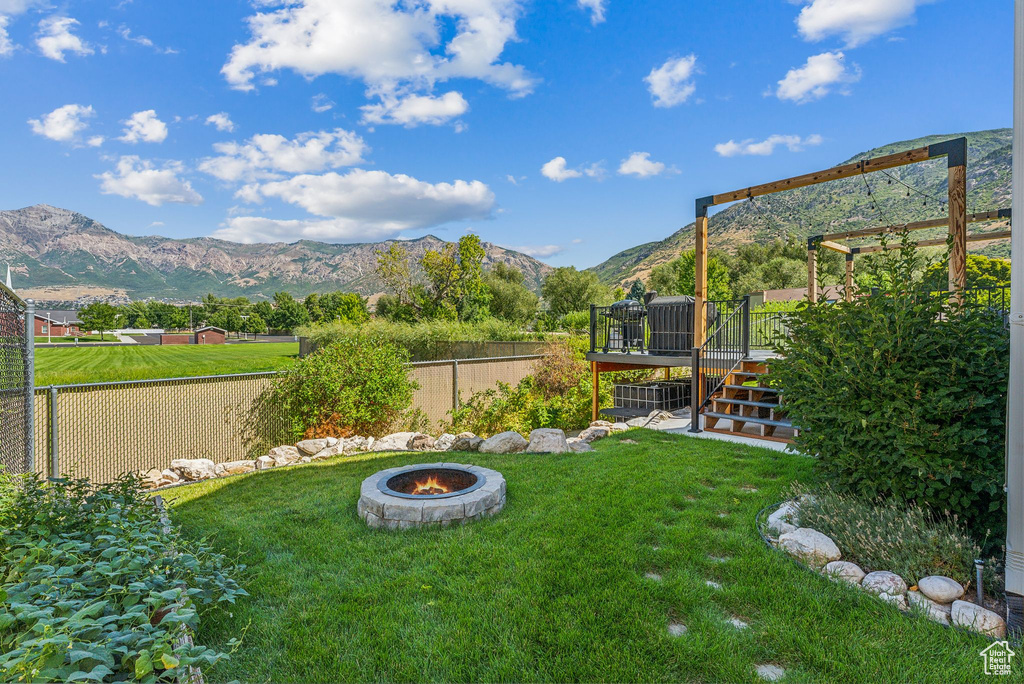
[(430, 494)]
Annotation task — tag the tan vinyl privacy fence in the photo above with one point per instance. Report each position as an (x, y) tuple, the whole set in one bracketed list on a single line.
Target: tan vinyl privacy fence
[(103, 430)]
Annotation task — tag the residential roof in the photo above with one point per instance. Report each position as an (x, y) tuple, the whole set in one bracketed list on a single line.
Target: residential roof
[(58, 316), (212, 327)]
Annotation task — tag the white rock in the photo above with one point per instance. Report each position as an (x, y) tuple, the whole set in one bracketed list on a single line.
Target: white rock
[(578, 446), (238, 467), (600, 423), (884, 582), (810, 546), (328, 451), (171, 477), (770, 673), (785, 519), (934, 611), (504, 443), (445, 442), (973, 616), (312, 446), (898, 600), (595, 433), (619, 427), (353, 444), (153, 478), (285, 455), (466, 441), (845, 571), (643, 421), (398, 441), (547, 441), (940, 589), (421, 442), (194, 469), (264, 462), (331, 441)]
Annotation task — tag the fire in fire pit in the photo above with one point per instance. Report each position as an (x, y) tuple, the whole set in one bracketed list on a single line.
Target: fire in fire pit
[(430, 482)]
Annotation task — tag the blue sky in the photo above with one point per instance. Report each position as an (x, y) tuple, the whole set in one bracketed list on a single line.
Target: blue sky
[(571, 129)]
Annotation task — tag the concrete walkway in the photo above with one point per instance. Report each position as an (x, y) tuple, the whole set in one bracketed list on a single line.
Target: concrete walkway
[(681, 426)]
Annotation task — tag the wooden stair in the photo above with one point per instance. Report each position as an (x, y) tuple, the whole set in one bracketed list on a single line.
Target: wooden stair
[(740, 404)]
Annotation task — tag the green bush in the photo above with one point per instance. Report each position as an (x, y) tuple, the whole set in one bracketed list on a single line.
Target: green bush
[(909, 540), (902, 396), (94, 588), (575, 321), (358, 384)]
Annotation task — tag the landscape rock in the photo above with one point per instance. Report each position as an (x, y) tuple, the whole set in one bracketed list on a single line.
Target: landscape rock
[(421, 442), (285, 455), (238, 467), (445, 442), (331, 441), (264, 462), (810, 546), (159, 478), (306, 459), (642, 421), (973, 616), (845, 571), (547, 441), (328, 451), (884, 582), (312, 446), (466, 441), (504, 443), (578, 446), (619, 427), (596, 432), (353, 444), (600, 423), (194, 469), (170, 477), (785, 519), (940, 589), (898, 600), (399, 441), (934, 611)]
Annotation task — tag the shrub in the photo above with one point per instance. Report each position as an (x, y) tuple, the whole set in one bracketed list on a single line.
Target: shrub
[(90, 588), (902, 396), (575, 321), (357, 384), (909, 540)]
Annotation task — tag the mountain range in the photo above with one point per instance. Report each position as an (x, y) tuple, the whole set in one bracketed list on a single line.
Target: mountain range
[(909, 193), (61, 255)]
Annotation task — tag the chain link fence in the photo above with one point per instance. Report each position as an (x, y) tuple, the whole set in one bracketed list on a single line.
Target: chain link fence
[(16, 369), (103, 430)]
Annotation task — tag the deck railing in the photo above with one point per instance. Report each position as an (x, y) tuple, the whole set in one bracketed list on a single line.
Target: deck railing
[(722, 352)]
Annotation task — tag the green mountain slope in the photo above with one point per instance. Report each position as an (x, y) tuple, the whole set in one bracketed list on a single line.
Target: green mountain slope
[(845, 205)]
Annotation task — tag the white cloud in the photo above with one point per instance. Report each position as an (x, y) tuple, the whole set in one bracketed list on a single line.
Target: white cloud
[(221, 121), (126, 33), (268, 156), (144, 127), (139, 179), (20, 6), (361, 205), (596, 9), (6, 45), (95, 141), (397, 49), (55, 38), (412, 110), (672, 83), (63, 123), (816, 78), (539, 251), (321, 103), (556, 170), (857, 21), (639, 164), (794, 143)]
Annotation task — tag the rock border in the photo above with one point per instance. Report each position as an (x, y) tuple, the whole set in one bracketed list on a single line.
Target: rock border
[(817, 553), (383, 511)]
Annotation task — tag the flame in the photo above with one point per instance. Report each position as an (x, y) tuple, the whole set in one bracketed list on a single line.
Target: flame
[(431, 486)]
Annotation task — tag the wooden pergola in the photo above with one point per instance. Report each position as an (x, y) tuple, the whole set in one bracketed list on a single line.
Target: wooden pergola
[(827, 241), (954, 150)]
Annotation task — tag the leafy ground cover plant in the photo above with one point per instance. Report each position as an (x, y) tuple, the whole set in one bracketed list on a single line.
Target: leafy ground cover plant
[(358, 384), (901, 395), (94, 588)]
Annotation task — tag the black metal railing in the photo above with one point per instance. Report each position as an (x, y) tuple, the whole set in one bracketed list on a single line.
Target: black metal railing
[(724, 350), (618, 329), (659, 329), (767, 328)]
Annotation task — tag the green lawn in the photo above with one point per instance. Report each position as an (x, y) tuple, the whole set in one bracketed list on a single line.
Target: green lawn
[(81, 338), (67, 365), (554, 587)]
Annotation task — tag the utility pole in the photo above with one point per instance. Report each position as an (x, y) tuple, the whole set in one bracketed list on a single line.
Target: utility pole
[(1015, 391)]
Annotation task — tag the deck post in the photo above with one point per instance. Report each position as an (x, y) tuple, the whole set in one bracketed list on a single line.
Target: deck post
[(700, 278), (957, 195), (695, 383), (745, 331), (596, 386), (812, 269), (849, 278)]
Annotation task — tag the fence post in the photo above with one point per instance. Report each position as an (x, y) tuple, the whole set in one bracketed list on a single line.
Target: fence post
[(30, 384), (746, 326), (54, 457), (593, 327), (455, 384), (695, 390)]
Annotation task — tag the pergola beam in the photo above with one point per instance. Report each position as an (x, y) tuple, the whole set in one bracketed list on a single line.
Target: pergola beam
[(834, 246), (976, 237), (993, 215)]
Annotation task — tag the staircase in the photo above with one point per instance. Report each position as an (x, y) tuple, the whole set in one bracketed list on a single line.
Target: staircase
[(746, 407)]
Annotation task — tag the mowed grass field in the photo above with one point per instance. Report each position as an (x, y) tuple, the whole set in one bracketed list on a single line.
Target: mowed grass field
[(71, 365)]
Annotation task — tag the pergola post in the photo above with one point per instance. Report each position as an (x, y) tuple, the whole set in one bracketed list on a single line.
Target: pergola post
[(700, 281), (849, 278), (812, 269), (956, 161), (596, 390)]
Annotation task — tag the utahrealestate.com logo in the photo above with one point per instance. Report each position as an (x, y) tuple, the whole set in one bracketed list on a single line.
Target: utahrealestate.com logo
[(997, 657)]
